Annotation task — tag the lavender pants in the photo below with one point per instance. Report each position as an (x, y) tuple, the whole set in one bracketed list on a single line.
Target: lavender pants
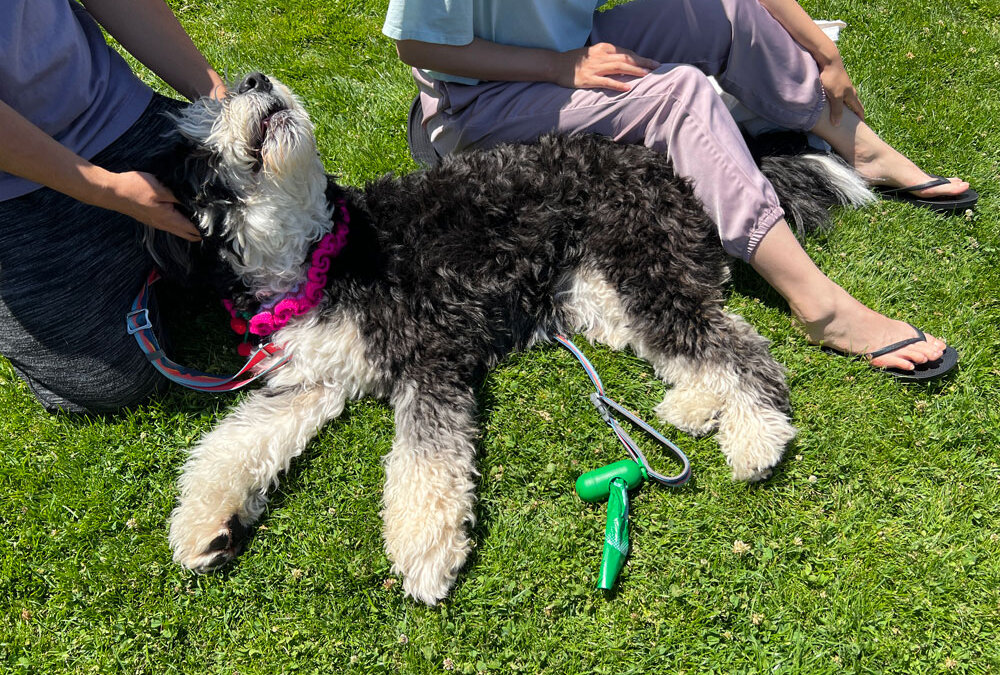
[(673, 109)]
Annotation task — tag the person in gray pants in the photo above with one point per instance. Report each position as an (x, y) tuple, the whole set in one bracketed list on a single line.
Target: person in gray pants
[(76, 197)]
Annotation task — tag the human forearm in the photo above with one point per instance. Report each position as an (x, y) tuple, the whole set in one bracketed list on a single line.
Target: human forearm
[(28, 152), (591, 66), (833, 75), (803, 30), (149, 31), (484, 60)]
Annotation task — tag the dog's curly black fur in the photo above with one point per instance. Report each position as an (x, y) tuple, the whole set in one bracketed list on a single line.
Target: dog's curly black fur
[(467, 262), (444, 273)]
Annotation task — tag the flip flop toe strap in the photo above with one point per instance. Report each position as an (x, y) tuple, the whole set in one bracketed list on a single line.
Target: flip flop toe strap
[(938, 180), (920, 337)]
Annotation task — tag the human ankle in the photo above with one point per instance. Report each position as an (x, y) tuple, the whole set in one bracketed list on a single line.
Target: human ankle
[(825, 315)]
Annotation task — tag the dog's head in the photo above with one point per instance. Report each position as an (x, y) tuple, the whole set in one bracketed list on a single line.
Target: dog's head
[(252, 180)]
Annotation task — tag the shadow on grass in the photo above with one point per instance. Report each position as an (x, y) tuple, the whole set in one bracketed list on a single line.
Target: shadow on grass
[(747, 282)]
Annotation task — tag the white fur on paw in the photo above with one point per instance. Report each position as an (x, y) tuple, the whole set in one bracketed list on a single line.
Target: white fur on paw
[(426, 514), (753, 439), (427, 555), (692, 411), (202, 542)]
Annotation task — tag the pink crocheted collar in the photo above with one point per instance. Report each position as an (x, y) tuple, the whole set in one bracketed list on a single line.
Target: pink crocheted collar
[(306, 296)]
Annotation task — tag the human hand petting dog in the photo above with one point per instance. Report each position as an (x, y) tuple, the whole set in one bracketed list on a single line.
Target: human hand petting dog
[(29, 152), (141, 196)]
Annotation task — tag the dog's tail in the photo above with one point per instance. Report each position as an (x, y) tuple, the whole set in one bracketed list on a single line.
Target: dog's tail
[(808, 181)]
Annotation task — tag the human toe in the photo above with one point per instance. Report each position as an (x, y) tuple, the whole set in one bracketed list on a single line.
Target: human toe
[(911, 355), (902, 359), (954, 186)]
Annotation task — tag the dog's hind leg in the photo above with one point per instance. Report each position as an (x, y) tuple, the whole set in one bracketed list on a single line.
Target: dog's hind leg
[(224, 484), (726, 379), (720, 370), (595, 309), (429, 484)]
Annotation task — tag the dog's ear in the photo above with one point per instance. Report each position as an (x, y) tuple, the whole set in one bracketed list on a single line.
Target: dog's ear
[(204, 184)]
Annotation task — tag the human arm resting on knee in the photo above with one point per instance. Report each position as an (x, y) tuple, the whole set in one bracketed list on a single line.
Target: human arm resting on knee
[(28, 152), (150, 32), (837, 83), (588, 67)]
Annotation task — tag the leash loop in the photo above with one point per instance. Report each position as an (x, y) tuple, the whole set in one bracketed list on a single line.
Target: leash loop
[(607, 408), (265, 359), (133, 326), (633, 448)]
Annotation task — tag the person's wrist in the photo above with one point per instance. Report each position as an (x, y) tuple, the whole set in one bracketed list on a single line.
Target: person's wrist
[(100, 187), (562, 67), (202, 85), (828, 57), (218, 90)]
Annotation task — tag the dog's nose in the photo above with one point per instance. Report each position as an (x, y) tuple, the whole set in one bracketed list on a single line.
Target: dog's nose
[(254, 82)]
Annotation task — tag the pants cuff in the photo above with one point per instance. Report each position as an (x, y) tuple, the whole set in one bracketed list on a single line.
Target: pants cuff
[(763, 226)]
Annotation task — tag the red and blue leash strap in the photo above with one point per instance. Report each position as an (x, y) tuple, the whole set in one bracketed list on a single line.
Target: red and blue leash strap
[(606, 406), (138, 324)]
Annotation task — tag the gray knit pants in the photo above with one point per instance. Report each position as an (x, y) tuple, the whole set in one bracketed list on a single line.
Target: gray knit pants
[(68, 275)]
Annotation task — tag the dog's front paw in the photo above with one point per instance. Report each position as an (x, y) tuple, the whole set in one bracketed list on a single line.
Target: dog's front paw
[(202, 542), (428, 575), (426, 538), (693, 411), (428, 546)]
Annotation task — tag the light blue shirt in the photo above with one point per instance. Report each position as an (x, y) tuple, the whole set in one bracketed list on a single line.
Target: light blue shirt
[(558, 25)]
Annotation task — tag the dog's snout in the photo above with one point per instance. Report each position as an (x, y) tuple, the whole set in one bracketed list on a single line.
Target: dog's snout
[(254, 82)]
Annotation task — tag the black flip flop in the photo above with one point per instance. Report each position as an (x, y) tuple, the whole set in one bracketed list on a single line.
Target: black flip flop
[(921, 372), (944, 204), (421, 149)]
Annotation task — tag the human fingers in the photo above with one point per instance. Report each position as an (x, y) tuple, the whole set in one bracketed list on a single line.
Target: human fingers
[(146, 199), (634, 59), (623, 62), (852, 101), (605, 83), (612, 52), (603, 60), (620, 68), (170, 220), (161, 192)]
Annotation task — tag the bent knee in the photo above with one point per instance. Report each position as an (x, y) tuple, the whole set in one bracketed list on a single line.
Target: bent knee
[(672, 77)]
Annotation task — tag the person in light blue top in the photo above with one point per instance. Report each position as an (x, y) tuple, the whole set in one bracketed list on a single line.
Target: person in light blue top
[(495, 71), (556, 26)]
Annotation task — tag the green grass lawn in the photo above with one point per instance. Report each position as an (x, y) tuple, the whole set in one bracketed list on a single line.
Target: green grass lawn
[(874, 548)]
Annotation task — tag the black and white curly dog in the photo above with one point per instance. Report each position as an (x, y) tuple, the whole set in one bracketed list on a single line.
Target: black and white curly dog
[(443, 274)]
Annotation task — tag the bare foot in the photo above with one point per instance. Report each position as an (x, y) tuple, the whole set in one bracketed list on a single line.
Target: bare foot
[(855, 329), (877, 161), (832, 316), (903, 176)]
